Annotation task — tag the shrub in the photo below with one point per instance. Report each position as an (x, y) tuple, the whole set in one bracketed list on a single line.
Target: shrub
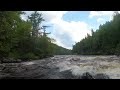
[(28, 56), (117, 51)]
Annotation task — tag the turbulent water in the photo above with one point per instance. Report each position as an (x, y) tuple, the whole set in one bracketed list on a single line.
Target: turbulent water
[(109, 65), (50, 68)]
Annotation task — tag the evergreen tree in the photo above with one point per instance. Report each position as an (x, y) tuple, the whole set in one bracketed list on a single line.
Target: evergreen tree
[(35, 19), (105, 40)]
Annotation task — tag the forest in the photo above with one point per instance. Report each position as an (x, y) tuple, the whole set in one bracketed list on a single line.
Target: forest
[(104, 41), (28, 39), (24, 39)]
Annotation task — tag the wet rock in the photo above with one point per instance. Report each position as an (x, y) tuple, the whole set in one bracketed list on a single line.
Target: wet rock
[(3, 75), (11, 67), (101, 76), (87, 75), (49, 68), (2, 67), (11, 60), (67, 74), (75, 59), (9, 70)]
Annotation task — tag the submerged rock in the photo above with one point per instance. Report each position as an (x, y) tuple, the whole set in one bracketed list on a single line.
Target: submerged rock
[(87, 75)]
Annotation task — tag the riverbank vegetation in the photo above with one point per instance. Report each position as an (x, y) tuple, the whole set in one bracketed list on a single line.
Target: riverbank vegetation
[(24, 39), (105, 40)]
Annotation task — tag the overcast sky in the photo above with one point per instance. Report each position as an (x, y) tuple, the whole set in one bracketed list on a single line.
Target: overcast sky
[(68, 27)]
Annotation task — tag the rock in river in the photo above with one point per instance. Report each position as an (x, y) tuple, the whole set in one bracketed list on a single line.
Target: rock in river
[(87, 75)]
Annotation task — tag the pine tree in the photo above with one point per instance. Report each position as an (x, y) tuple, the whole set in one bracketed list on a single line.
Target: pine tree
[(35, 19)]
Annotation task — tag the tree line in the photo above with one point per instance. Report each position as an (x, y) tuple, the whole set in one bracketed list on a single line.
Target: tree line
[(24, 39), (105, 40)]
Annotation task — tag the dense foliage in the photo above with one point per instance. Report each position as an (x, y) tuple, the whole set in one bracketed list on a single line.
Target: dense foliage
[(105, 40), (22, 39)]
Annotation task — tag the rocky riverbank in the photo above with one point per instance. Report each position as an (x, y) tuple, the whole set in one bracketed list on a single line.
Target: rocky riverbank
[(64, 67)]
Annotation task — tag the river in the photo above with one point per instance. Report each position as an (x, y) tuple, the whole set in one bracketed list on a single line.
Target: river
[(52, 68)]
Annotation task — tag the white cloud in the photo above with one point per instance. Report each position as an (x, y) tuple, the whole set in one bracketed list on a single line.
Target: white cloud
[(100, 20), (68, 33), (47, 15), (65, 33), (50, 15), (100, 13)]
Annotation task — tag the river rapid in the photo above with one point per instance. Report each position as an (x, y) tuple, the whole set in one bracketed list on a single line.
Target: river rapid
[(52, 68)]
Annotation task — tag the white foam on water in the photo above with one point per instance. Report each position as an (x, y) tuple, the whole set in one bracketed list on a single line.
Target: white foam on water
[(63, 66), (28, 63), (94, 65)]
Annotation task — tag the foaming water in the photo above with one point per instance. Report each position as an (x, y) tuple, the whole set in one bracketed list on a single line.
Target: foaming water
[(109, 65), (28, 63)]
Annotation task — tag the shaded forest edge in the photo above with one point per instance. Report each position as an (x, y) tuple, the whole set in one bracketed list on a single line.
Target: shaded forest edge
[(24, 39), (104, 41)]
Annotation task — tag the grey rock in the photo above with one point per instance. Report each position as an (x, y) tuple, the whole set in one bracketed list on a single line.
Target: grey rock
[(11, 60), (87, 75), (101, 76), (3, 75), (67, 74)]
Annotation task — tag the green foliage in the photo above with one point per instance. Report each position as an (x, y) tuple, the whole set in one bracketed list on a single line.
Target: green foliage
[(118, 49), (35, 19), (29, 56), (104, 41), (14, 55), (20, 39), (8, 21)]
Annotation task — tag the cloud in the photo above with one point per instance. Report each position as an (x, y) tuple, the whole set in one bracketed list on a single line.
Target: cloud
[(50, 15), (66, 33), (109, 14), (47, 15), (100, 13), (100, 20)]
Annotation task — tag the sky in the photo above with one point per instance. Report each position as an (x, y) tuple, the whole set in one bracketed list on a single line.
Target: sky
[(69, 27)]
